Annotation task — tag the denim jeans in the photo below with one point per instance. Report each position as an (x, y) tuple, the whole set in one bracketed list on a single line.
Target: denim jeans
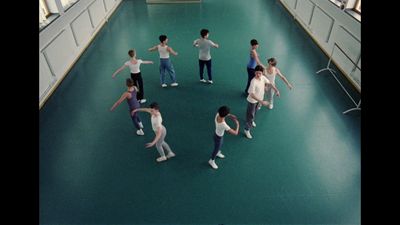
[(166, 65)]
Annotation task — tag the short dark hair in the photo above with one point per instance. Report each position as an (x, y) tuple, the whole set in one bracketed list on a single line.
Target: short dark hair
[(259, 68), (131, 52), (272, 61), (253, 42), (162, 37), (223, 111), (129, 82), (204, 32), (154, 105)]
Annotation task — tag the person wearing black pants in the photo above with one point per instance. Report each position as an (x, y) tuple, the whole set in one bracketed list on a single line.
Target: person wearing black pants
[(138, 81), (134, 66)]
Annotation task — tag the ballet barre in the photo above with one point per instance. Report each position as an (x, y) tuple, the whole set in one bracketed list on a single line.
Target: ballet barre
[(333, 72)]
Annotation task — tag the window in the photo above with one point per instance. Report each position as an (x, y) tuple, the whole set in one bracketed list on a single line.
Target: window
[(357, 7), (67, 3)]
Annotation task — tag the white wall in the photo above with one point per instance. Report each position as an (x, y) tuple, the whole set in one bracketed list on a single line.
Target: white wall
[(65, 39), (327, 25)]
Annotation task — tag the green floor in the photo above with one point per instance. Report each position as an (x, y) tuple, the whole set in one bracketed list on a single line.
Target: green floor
[(301, 167)]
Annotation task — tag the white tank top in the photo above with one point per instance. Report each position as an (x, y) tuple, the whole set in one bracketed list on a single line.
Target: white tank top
[(164, 54), (220, 128), (271, 77), (156, 122)]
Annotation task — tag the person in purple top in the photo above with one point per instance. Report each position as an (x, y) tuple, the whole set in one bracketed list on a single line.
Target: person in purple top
[(130, 96)]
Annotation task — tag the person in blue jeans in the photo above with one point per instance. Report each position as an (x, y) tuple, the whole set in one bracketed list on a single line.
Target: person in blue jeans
[(165, 63), (130, 96), (220, 127), (253, 62), (204, 44)]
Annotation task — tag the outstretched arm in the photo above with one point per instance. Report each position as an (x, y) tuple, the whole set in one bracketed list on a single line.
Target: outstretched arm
[(147, 62), (123, 97), (119, 70), (153, 48), (148, 110), (156, 138), (170, 50), (236, 130), (284, 79)]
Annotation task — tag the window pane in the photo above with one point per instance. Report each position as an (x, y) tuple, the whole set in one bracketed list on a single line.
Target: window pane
[(67, 3)]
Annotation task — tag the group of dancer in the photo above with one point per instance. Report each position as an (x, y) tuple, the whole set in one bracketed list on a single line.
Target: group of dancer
[(261, 79)]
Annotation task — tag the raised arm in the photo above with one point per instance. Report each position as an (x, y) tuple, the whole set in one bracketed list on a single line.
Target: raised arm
[(236, 130), (255, 56), (170, 50), (284, 79), (123, 97), (156, 138), (153, 48), (119, 70)]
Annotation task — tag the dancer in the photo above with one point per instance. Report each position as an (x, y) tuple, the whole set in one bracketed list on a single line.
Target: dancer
[(165, 62), (130, 96), (159, 130), (253, 62), (220, 128), (134, 65), (270, 73), (204, 44), (255, 97)]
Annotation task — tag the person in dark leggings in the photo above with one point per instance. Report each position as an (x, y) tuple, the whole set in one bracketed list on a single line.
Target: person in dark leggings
[(130, 96), (220, 127), (253, 62), (134, 66)]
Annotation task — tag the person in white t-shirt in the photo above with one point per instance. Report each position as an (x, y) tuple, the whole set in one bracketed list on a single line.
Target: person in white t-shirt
[(204, 44), (159, 130), (270, 73), (134, 66), (220, 127), (165, 62), (256, 96)]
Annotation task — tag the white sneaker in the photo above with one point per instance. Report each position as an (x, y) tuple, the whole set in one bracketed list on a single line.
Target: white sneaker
[(247, 133), (202, 80), (212, 164), (220, 155), (170, 155), (140, 132), (142, 101), (162, 158), (163, 85), (141, 125), (174, 84), (270, 106), (253, 124), (210, 81)]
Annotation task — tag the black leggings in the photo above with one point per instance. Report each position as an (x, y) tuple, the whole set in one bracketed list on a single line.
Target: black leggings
[(138, 81)]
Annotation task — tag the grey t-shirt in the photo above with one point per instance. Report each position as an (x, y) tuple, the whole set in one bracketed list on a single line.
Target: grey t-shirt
[(204, 48)]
